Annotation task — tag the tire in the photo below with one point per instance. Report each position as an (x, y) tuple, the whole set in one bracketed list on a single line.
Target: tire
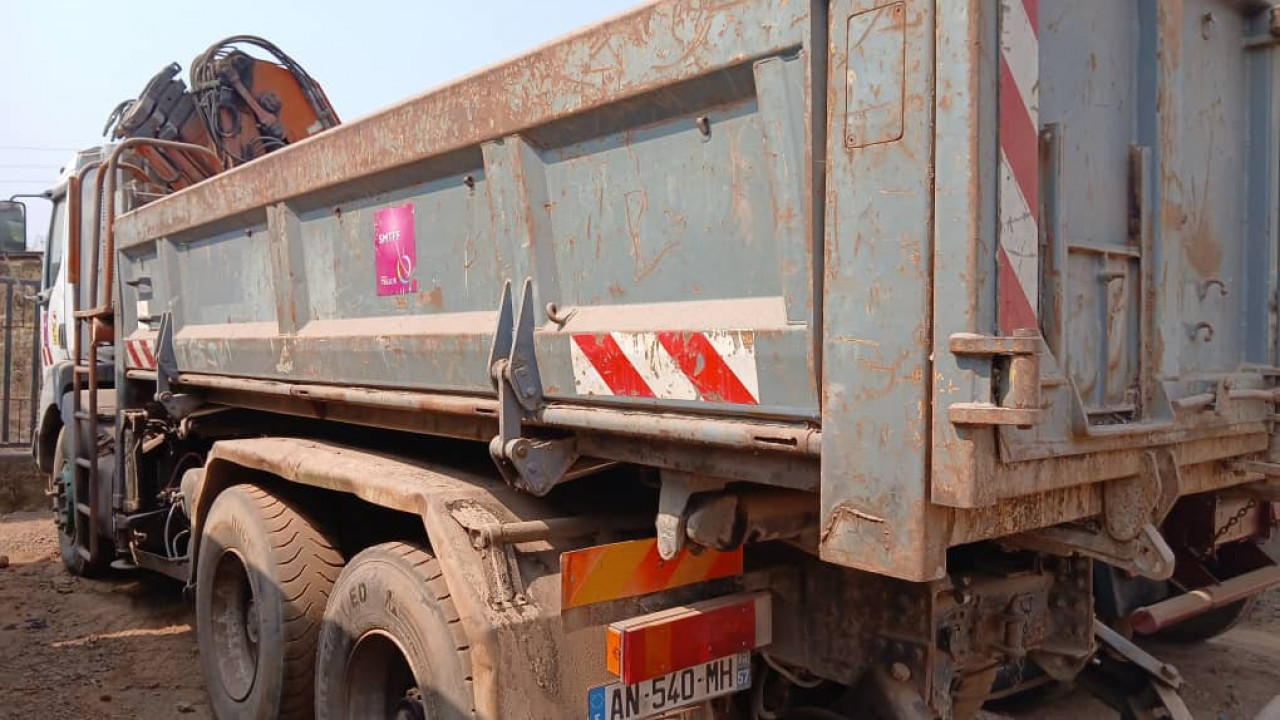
[(392, 643), (263, 575), (70, 540), (1208, 625)]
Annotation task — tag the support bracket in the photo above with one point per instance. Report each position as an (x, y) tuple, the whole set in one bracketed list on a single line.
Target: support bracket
[(1107, 679), (504, 587), (1147, 554), (674, 509), (1130, 503)]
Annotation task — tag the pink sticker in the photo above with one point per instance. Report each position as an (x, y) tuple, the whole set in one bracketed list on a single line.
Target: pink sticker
[(397, 253)]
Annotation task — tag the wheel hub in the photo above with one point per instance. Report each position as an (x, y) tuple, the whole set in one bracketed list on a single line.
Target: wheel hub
[(65, 502), (411, 707), (379, 681), (251, 620), (235, 623)]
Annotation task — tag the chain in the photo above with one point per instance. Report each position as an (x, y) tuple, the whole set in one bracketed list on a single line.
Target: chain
[(1232, 522)]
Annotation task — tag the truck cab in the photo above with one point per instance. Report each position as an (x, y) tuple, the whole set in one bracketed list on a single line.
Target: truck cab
[(56, 321)]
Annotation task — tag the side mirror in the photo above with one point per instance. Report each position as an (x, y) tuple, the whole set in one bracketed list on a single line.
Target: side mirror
[(13, 226), (42, 297)]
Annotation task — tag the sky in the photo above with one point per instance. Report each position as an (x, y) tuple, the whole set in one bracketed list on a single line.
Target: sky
[(64, 64)]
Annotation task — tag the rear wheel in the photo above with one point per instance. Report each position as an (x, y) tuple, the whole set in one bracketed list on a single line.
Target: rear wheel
[(73, 528), (392, 644), (263, 576)]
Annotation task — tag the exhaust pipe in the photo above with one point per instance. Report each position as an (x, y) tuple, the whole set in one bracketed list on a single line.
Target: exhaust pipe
[(1156, 617)]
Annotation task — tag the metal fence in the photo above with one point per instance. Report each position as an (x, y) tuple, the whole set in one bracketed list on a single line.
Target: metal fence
[(21, 348)]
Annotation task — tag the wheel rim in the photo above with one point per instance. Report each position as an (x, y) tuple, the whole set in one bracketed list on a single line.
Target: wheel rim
[(236, 625), (380, 681), (65, 501)]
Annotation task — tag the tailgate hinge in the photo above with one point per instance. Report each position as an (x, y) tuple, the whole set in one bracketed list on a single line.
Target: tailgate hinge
[(1017, 358), (533, 464), (178, 405)]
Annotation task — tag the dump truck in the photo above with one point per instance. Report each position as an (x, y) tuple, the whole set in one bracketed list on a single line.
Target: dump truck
[(747, 359)]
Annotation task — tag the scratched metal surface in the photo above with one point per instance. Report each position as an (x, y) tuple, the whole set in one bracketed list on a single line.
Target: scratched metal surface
[(649, 175), (1170, 309), (823, 175), (1158, 217)]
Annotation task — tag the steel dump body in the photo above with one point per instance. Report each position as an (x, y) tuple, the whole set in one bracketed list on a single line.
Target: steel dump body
[(781, 242)]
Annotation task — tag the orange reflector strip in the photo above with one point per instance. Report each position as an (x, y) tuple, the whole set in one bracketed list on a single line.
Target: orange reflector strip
[(613, 650), (651, 646), (628, 569)]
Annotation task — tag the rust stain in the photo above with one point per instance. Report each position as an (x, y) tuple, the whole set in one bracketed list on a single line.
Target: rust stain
[(1204, 251), (637, 202), (435, 298), (1172, 216), (1170, 17), (891, 373), (536, 89)]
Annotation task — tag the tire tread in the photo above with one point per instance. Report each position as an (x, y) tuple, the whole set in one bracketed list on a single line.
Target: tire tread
[(305, 558), (425, 565)]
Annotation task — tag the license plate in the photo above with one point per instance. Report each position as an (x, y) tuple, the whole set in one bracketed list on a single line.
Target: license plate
[(616, 701)]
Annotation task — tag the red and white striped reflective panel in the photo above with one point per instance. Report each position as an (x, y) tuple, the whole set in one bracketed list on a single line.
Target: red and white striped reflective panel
[(710, 365), (140, 353), (1018, 258), (650, 646), (46, 339)]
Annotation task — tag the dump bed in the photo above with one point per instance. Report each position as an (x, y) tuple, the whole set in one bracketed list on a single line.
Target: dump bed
[(966, 269)]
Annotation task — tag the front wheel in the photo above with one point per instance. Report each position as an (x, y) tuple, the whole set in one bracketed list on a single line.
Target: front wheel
[(392, 645), (73, 527)]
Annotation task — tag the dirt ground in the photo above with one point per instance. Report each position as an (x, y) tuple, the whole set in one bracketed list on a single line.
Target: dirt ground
[(73, 648), (1231, 677), (125, 648)]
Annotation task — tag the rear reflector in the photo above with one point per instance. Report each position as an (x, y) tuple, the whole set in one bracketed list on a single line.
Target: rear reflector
[(628, 569), (651, 646)]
